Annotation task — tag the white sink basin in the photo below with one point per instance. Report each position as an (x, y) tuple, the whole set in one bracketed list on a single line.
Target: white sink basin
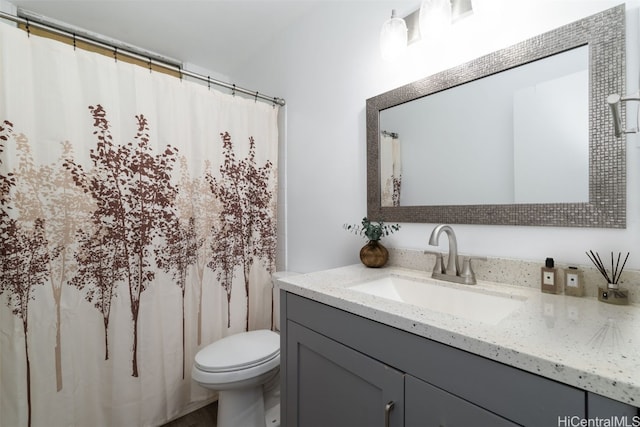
[(468, 303)]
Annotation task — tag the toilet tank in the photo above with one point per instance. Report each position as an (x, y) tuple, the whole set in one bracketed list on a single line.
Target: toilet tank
[(276, 295)]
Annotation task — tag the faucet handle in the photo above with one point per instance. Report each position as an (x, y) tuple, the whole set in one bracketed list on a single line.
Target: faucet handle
[(438, 266), (467, 270)]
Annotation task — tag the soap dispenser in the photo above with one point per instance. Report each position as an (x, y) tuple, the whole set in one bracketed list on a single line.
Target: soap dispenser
[(550, 278)]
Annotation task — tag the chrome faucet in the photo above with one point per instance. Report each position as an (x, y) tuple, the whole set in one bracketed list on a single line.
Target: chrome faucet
[(452, 262), (452, 272)]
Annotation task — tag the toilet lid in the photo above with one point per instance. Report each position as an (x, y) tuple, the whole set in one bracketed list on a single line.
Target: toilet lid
[(239, 351)]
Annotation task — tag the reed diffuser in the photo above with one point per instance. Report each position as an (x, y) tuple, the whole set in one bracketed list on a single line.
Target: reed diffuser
[(612, 293)]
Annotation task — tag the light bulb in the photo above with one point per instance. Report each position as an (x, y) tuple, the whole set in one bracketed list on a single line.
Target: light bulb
[(393, 38), (435, 19)]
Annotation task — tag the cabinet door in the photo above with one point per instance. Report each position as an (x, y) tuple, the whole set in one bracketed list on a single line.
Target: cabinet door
[(603, 407), (426, 405), (329, 384)]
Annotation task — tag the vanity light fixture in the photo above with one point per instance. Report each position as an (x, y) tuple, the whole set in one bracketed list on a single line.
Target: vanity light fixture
[(614, 101), (393, 38), (430, 22)]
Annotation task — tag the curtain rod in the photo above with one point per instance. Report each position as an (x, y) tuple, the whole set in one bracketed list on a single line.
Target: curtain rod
[(40, 22)]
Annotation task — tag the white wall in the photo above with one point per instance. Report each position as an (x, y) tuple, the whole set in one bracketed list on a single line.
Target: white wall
[(328, 64)]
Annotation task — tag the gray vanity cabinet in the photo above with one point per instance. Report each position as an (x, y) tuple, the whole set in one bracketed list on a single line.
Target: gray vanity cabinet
[(340, 369)]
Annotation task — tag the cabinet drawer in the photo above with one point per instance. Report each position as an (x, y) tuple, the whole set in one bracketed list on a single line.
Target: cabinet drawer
[(426, 405)]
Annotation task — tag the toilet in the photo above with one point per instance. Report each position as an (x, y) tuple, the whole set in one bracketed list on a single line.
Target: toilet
[(238, 366), (244, 369)]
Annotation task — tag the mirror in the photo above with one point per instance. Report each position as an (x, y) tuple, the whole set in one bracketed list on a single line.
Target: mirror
[(522, 136), (529, 119)]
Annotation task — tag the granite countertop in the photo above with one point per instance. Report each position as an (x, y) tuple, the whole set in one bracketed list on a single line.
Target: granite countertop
[(577, 341)]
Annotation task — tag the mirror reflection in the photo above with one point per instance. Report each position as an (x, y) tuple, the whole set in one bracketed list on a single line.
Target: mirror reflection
[(518, 136)]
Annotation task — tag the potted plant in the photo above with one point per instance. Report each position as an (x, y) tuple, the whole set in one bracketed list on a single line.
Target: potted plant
[(373, 254)]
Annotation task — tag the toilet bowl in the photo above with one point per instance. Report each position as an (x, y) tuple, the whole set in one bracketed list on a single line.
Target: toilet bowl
[(237, 367)]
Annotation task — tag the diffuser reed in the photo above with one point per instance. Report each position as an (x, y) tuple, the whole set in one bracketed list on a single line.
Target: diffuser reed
[(611, 294), (616, 271)]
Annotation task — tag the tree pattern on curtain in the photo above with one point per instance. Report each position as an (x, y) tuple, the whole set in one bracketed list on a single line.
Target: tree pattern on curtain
[(133, 191), (247, 230), (131, 213), (196, 204), (49, 194), (24, 250)]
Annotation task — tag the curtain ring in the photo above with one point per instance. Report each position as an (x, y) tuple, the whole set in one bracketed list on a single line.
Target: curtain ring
[(28, 28), (74, 41), (274, 102), (209, 82), (233, 92), (256, 97), (115, 53), (150, 70)]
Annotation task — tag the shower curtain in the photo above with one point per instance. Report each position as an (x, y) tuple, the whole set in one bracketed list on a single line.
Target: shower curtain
[(390, 169), (137, 226)]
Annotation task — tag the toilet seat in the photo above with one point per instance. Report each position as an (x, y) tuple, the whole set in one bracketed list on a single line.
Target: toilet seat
[(239, 351), (238, 359)]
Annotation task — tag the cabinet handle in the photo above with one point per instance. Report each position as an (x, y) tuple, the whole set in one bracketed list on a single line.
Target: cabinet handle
[(387, 413)]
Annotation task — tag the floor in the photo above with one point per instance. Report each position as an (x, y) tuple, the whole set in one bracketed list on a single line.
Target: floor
[(203, 417)]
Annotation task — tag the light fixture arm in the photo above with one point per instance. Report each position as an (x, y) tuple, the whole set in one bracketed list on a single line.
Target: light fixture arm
[(614, 101)]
